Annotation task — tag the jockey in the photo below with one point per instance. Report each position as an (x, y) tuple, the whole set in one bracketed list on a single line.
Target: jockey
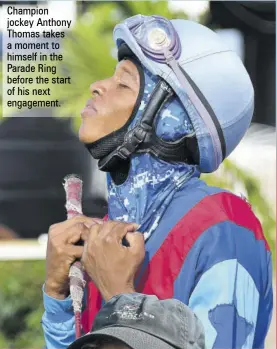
[(178, 104)]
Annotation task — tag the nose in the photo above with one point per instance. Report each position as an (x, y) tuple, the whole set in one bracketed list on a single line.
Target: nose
[(100, 87)]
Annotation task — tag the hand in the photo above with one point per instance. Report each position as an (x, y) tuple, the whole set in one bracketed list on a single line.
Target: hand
[(112, 266), (61, 253)]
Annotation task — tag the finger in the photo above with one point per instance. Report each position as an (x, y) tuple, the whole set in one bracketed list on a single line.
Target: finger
[(75, 233), (74, 251), (122, 229), (85, 234), (59, 228), (94, 221), (94, 232), (80, 219), (98, 220), (107, 228), (135, 240)]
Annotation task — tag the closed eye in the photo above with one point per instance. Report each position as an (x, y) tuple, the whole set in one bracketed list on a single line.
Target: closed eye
[(123, 86)]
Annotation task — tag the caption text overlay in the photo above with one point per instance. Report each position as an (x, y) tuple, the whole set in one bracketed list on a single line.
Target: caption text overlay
[(32, 57)]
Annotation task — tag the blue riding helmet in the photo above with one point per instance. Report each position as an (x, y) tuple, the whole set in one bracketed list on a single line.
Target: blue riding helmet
[(209, 79)]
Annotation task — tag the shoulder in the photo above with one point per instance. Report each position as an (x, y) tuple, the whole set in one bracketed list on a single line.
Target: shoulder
[(209, 212), (221, 229), (206, 216), (230, 240)]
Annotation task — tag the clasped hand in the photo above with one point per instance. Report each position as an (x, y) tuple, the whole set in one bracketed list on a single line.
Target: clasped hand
[(111, 265)]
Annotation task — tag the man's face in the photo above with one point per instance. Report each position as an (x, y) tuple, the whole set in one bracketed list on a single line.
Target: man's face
[(112, 103)]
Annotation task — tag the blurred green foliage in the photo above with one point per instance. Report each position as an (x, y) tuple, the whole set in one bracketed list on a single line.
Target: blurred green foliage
[(21, 304), (87, 58)]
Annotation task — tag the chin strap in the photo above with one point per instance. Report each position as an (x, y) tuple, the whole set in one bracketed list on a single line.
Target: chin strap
[(143, 139)]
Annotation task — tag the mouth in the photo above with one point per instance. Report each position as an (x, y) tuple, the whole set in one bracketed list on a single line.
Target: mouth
[(89, 109)]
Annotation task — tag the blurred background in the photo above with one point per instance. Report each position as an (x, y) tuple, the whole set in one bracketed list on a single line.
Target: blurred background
[(39, 147)]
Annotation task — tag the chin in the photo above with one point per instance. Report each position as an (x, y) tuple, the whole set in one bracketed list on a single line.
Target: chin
[(85, 136)]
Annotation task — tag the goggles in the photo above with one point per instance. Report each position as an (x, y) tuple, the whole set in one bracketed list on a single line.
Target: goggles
[(156, 36)]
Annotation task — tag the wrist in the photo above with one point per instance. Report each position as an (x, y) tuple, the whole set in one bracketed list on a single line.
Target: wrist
[(108, 295), (55, 292)]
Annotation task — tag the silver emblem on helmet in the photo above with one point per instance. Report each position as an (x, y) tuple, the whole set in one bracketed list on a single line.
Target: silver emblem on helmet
[(158, 38)]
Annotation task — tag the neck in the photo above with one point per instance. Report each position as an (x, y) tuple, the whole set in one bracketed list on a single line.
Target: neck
[(120, 175)]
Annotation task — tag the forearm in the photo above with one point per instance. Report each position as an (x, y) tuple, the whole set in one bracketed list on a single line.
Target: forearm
[(58, 334), (58, 322)]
